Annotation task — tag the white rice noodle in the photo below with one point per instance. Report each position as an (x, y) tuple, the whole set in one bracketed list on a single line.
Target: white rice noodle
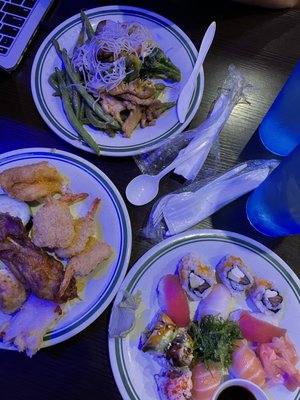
[(119, 39)]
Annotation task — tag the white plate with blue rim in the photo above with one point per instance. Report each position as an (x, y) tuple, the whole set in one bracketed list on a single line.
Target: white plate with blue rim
[(172, 40), (100, 288), (134, 370)]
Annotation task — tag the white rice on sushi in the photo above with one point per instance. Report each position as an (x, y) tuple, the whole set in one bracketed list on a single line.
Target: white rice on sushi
[(195, 276), (266, 297), (234, 274)]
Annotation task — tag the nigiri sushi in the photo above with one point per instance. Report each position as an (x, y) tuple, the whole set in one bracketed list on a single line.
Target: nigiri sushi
[(205, 382), (216, 303), (195, 277), (246, 365), (234, 274), (174, 384), (266, 296), (173, 300), (257, 330)]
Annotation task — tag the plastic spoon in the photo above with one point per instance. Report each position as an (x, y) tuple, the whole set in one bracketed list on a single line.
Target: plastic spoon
[(187, 92), (144, 188)]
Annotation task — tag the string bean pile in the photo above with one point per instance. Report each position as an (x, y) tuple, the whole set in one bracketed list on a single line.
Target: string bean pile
[(108, 81)]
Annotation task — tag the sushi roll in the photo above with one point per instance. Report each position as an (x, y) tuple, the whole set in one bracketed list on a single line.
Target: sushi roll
[(160, 334), (174, 384), (234, 274), (180, 351), (196, 278), (266, 297)]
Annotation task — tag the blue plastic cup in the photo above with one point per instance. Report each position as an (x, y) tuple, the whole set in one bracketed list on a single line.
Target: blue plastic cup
[(273, 208), (280, 129)]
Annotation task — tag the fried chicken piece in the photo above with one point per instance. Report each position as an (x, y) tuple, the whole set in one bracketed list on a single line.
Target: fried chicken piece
[(53, 224), (32, 182), (12, 292), (85, 262), (84, 229), (36, 269)]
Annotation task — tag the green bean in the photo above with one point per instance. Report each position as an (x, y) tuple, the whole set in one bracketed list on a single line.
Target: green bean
[(94, 121), (75, 97), (78, 85), (67, 106), (88, 26), (80, 39)]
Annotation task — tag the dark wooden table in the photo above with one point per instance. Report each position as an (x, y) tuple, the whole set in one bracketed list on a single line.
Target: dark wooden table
[(264, 45)]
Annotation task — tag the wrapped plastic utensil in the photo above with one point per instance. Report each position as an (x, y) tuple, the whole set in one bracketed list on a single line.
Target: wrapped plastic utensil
[(182, 209), (232, 92)]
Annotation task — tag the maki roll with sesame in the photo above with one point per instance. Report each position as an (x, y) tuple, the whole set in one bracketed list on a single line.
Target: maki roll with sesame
[(179, 353), (157, 337), (195, 276), (234, 274), (266, 296)]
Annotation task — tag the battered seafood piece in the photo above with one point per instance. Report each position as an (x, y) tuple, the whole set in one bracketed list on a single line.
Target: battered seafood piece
[(84, 229), (32, 182), (85, 262), (32, 266), (24, 330), (12, 292), (48, 222)]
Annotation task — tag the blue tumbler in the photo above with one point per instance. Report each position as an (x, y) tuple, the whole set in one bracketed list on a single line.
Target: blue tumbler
[(273, 208), (280, 129)]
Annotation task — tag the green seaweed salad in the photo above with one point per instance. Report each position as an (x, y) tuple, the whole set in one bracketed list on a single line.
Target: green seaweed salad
[(111, 80)]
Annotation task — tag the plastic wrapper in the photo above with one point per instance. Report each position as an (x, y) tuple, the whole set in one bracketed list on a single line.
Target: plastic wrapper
[(180, 210), (204, 137)]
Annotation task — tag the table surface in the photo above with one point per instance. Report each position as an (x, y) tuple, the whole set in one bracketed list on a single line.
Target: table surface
[(265, 46)]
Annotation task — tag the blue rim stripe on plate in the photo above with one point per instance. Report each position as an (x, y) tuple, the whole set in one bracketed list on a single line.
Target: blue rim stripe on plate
[(200, 237), (100, 300), (70, 134)]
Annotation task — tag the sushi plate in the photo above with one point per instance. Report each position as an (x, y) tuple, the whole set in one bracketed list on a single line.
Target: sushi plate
[(101, 287), (170, 38), (134, 370)]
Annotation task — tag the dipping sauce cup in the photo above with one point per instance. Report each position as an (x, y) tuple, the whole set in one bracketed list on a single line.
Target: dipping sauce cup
[(235, 389), (273, 208)]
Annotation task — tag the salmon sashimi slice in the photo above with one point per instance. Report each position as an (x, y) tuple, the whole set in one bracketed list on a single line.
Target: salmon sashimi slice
[(205, 382), (246, 365)]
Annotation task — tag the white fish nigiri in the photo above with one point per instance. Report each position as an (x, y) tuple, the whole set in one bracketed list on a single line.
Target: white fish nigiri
[(216, 303)]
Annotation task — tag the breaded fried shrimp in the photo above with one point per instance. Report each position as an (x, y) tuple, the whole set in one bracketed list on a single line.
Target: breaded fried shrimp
[(53, 224), (85, 262), (84, 229)]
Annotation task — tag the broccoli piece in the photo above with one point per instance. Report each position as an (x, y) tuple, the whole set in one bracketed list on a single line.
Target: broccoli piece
[(133, 66), (158, 65)]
